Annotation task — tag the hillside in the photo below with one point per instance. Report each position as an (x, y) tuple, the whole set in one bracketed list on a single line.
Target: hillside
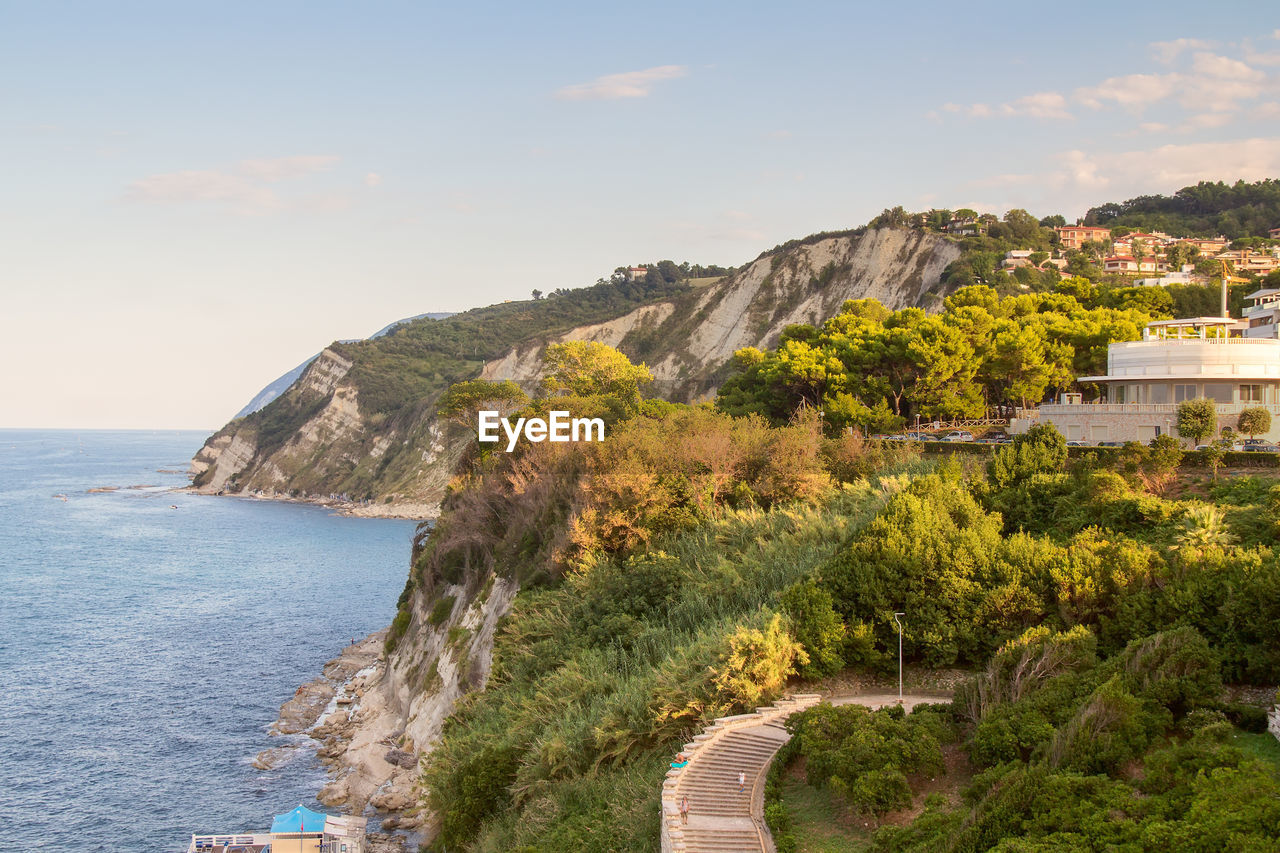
[(1236, 211), (360, 421)]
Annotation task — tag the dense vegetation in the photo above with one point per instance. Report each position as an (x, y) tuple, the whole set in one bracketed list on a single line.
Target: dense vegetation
[(874, 369), (423, 358), (695, 562), (653, 567), (1073, 751), (1205, 210), (409, 367)]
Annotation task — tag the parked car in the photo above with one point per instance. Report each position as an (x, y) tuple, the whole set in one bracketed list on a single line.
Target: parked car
[(929, 437), (958, 435), (1077, 444), (1248, 441), (1111, 444), (1261, 448)]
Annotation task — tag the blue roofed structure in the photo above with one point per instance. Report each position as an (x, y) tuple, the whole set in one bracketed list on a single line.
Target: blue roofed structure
[(301, 819)]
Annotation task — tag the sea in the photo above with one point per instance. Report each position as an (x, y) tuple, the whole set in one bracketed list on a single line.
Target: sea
[(148, 638)]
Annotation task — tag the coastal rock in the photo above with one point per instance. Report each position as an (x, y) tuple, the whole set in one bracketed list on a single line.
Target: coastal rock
[(385, 842), (401, 758), (277, 756), (306, 706), (392, 800), (335, 793)]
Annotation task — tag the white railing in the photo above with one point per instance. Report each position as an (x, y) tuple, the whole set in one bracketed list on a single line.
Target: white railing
[(1232, 341), (1142, 408)]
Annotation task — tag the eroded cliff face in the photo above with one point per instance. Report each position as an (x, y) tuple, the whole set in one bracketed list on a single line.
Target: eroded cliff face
[(408, 695), (317, 442), (688, 342)]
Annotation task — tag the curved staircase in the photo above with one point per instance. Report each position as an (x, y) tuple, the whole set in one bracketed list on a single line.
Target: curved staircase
[(721, 818)]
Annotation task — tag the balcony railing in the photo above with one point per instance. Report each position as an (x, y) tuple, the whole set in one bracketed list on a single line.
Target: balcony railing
[(1144, 408)]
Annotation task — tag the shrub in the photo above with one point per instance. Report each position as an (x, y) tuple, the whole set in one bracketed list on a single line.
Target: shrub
[(1040, 450), (1254, 421), (867, 755), (440, 611), (816, 625), (398, 626), (1197, 419)]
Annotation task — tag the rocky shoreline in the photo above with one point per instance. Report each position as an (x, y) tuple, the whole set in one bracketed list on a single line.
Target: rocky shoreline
[(406, 510), (372, 772)]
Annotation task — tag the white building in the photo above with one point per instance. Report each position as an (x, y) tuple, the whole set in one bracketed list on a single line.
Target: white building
[(1263, 316), (1176, 360)]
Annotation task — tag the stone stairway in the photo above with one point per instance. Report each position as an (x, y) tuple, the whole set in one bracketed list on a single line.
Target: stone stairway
[(723, 819)]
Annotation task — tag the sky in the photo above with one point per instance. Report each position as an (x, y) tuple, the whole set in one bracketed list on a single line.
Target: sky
[(197, 197)]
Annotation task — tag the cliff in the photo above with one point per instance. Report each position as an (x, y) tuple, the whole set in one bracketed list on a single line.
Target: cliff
[(359, 423)]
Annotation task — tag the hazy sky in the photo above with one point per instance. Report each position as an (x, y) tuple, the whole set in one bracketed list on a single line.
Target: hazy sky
[(196, 197)]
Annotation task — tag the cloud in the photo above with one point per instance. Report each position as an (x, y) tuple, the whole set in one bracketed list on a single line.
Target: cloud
[(1199, 83), (236, 190), (1225, 68), (373, 179), (1007, 180), (285, 168), (1212, 82), (629, 84), (1080, 170), (1039, 105), (1168, 51), (244, 187), (1131, 90), (1175, 165), (1206, 120)]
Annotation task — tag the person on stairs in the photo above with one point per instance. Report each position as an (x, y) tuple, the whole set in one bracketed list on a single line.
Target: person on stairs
[(742, 782)]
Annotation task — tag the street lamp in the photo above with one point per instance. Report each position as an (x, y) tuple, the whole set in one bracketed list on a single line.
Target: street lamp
[(895, 619)]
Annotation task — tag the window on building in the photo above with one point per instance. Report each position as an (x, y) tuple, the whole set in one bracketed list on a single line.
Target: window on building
[(1182, 393), (1117, 391), (1158, 393), (1250, 393), (1219, 392)]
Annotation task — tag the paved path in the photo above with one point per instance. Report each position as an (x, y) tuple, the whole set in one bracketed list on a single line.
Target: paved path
[(721, 818)]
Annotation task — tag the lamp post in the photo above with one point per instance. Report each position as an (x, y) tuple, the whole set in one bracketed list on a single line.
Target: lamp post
[(899, 622)]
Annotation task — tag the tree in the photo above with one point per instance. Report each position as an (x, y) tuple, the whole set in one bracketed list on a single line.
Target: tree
[(463, 401), (537, 294), (586, 368), (1163, 459), (1213, 455), (1254, 421), (1197, 419)]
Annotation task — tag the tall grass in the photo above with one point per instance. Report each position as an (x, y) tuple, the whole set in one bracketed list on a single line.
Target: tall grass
[(586, 674)]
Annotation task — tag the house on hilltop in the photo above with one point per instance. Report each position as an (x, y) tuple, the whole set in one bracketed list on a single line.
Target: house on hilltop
[(1075, 236)]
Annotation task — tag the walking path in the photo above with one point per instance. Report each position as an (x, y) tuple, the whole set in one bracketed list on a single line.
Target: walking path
[(725, 817)]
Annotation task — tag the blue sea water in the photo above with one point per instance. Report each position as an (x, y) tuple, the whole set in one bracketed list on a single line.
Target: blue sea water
[(145, 650)]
